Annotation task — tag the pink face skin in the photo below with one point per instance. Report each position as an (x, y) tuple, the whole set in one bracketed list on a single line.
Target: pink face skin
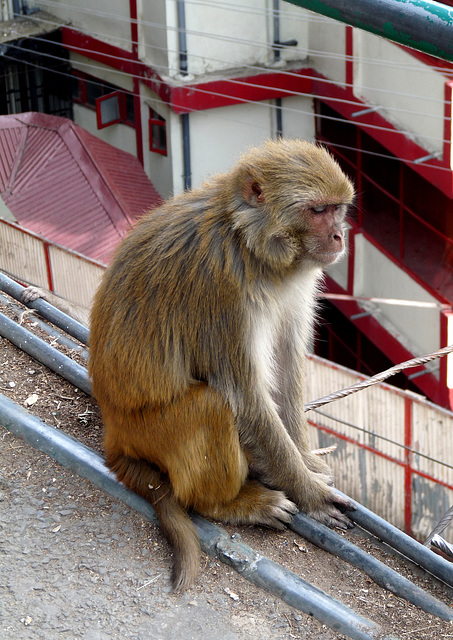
[(328, 232)]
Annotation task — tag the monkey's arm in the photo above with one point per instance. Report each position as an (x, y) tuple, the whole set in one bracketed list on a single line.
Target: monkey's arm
[(278, 462), (289, 396)]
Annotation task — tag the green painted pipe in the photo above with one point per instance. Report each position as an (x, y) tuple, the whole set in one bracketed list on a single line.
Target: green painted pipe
[(420, 24)]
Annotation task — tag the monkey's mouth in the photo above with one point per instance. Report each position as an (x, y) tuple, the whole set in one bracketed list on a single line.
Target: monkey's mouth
[(329, 257)]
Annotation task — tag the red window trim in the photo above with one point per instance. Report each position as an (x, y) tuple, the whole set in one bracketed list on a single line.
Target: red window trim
[(160, 123), (121, 109)]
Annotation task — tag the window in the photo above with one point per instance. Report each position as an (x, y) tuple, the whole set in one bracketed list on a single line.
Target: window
[(112, 104), (109, 109), (157, 133), (35, 76)]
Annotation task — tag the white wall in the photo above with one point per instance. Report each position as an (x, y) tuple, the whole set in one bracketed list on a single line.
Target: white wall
[(152, 32), (327, 43), (232, 35), (119, 135), (219, 136), (298, 117), (377, 276), (410, 93), (107, 20), (158, 167)]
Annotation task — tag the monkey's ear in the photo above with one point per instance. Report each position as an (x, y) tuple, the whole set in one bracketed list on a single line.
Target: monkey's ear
[(252, 191)]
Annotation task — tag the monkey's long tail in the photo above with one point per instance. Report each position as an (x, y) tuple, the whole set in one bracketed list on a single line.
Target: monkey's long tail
[(146, 480), (183, 537)]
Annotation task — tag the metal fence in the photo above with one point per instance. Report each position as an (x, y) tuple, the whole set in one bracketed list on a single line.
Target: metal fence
[(34, 260), (394, 449)]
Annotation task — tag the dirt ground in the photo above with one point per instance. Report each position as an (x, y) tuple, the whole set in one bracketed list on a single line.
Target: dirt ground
[(78, 564)]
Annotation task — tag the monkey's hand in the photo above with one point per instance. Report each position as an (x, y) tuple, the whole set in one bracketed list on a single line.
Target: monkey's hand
[(29, 294)]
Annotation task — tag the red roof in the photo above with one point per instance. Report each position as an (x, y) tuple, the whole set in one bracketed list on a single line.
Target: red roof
[(69, 186)]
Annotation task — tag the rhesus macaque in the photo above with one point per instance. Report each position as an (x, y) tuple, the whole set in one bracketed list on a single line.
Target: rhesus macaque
[(198, 337), (78, 312)]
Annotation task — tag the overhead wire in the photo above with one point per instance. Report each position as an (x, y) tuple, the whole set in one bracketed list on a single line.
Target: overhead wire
[(238, 81), (416, 65), (266, 105), (253, 68), (296, 16), (262, 104), (379, 436)]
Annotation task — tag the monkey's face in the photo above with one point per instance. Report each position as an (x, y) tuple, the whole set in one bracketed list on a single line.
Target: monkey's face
[(324, 240)]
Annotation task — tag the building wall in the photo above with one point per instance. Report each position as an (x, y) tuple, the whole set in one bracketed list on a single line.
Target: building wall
[(327, 43), (230, 36), (377, 276), (219, 136), (109, 20), (409, 92), (119, 135), (160, 168)]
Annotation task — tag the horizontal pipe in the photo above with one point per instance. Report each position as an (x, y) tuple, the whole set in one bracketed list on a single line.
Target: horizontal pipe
[(44, 353), (215, 541), (382, 575), (400, 541), (51, 330), (51, 313), (423, 25)]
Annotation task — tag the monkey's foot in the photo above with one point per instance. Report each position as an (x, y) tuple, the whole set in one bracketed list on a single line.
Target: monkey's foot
[(332, 512), (277, 512), (254, 504), (32, 293)]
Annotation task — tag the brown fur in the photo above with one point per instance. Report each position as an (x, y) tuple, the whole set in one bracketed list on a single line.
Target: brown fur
[(198, 335)]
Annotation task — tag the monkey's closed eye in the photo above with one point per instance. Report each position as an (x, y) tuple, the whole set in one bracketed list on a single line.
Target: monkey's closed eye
[(320, 209)]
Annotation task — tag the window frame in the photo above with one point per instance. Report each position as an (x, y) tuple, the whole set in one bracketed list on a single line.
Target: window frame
[(107, 91), (155, 120), (119, 95)]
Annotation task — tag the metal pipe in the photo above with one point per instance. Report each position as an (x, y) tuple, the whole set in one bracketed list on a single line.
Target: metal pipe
[(423, 25), (270, 576), (186, 151), (276, 30), (58, 318), (407, 546), (43, 352), (258, 569), (184, 71), (382, 575), (182, 37), (49, 329)]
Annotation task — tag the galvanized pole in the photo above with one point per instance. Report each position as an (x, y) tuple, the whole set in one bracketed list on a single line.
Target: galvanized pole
[(423, 25)]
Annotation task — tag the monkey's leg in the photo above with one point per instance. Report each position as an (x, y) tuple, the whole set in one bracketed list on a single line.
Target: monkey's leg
[(195, 441), (254, 504), (208, 468)]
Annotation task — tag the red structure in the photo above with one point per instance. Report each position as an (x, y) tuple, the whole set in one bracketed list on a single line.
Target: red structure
[(69, 186)]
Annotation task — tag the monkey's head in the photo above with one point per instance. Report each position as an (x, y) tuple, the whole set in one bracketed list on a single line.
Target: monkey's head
[(294, 197)]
